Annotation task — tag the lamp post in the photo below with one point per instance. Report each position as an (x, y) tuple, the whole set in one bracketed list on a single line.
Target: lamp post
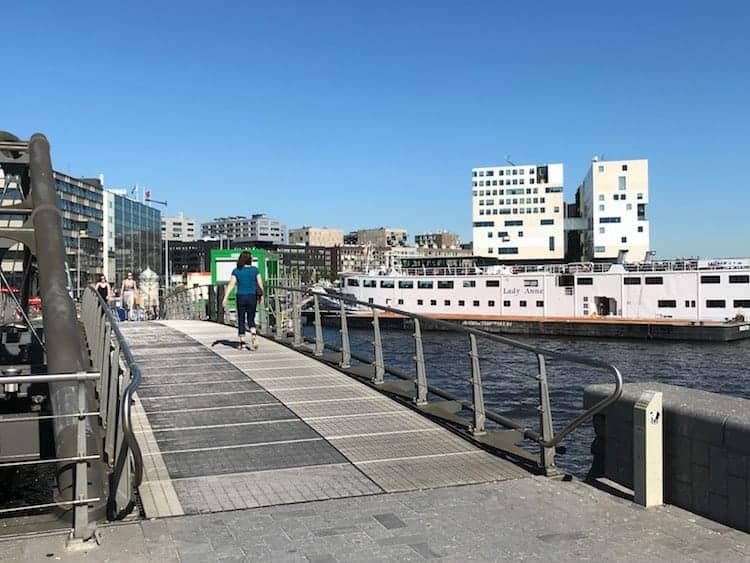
[(78, 267), (166, 242)]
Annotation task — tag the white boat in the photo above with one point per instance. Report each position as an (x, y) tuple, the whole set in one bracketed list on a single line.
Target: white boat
[(469, 288)]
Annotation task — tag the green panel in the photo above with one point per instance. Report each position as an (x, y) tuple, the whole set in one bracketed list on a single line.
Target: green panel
[(223, 261)]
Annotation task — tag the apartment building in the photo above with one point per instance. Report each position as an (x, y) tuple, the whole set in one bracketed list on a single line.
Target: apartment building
[(257, 227), (518, 212), (437, 240), (382, 236), (179, 228), (314, 236)]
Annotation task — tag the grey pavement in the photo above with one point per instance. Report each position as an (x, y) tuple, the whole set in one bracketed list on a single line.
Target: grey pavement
[(533, 519)]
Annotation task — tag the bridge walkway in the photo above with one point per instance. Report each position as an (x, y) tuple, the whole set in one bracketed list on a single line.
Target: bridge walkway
[(225, 429)]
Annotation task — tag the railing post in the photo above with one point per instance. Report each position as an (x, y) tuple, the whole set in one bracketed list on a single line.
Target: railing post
[(80, 509), (547, 455), (277, 311), (478, 392), (297, 319), (378, 344), (421, 398), (319, 343), (346, 354)]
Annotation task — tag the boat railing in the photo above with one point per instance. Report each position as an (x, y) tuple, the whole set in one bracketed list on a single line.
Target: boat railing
[(282, 315)]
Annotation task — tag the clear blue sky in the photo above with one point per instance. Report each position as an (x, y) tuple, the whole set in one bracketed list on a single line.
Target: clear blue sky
[(369, 113)]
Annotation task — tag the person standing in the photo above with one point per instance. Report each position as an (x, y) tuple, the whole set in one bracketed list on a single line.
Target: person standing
[(104, 289), (246, 278), (127, 292)]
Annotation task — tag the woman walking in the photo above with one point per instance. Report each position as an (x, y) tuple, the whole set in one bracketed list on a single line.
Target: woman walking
[(128, 291), (246, 278), (104, 289)]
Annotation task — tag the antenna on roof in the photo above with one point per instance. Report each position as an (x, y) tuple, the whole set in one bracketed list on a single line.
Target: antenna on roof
[(509, 161)]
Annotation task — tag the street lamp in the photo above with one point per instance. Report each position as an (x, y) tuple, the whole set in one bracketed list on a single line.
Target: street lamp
[(81, 233), (166, 241)]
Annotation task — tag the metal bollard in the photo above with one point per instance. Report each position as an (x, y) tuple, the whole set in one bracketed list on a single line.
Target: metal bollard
[(421, 398), (547, 455), (648, 469), (346, 355), (319, 343), (476, 385), (378, 344)]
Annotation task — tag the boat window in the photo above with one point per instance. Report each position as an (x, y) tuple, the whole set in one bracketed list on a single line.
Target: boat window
[(540, 303), (351, 282), (386, 283), (506, 303), (715, 303), (370, 300), (739, 279), (654, 280), (476, 303), (492, 283), (400, 301), (433, 302), (405, 284), (424, 284), (445, 284), (632, 281), (667, 304), (742, 302), (447, 302), (565, 280), (369, 283), (461, 302), (531, 283), (419, 302), (522, 303), (585, 281), (490, 303), (470, 283), (710, 279)]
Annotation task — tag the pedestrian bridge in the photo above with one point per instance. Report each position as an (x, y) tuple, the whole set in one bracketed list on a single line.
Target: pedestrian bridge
[(224, 429)]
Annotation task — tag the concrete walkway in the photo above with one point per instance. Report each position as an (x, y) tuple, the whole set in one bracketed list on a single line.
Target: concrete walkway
[(534, 519)]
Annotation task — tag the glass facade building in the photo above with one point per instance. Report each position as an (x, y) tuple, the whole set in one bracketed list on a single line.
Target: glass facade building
[(137, 238)]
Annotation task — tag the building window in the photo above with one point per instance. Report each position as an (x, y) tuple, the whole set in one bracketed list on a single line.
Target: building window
[(654, 280), (601, 197), (470, 283), (490, 303), (475, 303), (739, 279), (508, 250), (405, 284), (621, 183), (632, 281), (601, 230), (710, 279), (715, 304), (667, 304), (640, 228), (540, 303), (547, 222), (623, 239), (639, 196), (520, 233), (522, 303), (601, 168), (552, 243), (624, 167), (447, 302)]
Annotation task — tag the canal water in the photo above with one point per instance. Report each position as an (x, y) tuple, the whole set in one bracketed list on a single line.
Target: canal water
[(511, 390)]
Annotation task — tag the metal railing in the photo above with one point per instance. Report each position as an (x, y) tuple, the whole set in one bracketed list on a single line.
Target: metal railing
[(281, 316), (111, 356)]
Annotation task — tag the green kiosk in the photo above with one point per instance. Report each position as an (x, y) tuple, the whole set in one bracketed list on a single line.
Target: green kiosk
[(224, 261)]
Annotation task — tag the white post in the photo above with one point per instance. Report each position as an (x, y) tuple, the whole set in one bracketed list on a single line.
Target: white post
[(647, 449)]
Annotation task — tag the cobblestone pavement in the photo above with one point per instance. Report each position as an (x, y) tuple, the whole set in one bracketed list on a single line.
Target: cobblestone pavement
[(535, 519)]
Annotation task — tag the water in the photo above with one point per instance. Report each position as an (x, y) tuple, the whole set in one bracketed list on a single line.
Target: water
[(510, 390)]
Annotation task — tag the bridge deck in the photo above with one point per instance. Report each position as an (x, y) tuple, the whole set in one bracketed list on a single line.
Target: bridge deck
[(225, 429)]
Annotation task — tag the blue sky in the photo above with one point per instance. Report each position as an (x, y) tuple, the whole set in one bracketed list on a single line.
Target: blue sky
[(363, 114)]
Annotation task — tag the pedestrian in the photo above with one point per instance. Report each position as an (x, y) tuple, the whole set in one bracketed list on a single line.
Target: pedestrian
[(246, 278), (127, 291), (103, 288)]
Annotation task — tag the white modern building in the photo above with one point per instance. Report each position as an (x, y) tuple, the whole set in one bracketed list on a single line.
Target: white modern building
[(314, 236), (178, 228), (517, 212), (613, 199), (257, 227)]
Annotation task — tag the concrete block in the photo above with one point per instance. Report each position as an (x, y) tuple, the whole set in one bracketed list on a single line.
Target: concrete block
[(718, 507), (737, 507), (718, 471), (699, 489), (737, 465), (699, 452), (736, 434)]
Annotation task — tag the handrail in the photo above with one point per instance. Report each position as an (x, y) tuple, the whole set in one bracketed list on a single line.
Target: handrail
[(456, 327), (130, 443)]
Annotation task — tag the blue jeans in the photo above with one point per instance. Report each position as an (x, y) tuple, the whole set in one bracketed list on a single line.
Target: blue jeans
[(246, 305)]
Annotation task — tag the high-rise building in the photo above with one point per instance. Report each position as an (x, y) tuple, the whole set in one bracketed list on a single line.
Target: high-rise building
[(383, 236), (437, 240), (137, 237), (257, 227), (178, 228), (612, 199), (517, 212), (314, 236)]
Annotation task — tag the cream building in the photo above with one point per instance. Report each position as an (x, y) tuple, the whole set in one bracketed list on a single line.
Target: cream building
[(613, 199), (178, 228), (517, 212), (314, 236)]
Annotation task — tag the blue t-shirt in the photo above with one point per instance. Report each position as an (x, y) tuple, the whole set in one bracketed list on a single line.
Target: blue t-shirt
[(246, 284)]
